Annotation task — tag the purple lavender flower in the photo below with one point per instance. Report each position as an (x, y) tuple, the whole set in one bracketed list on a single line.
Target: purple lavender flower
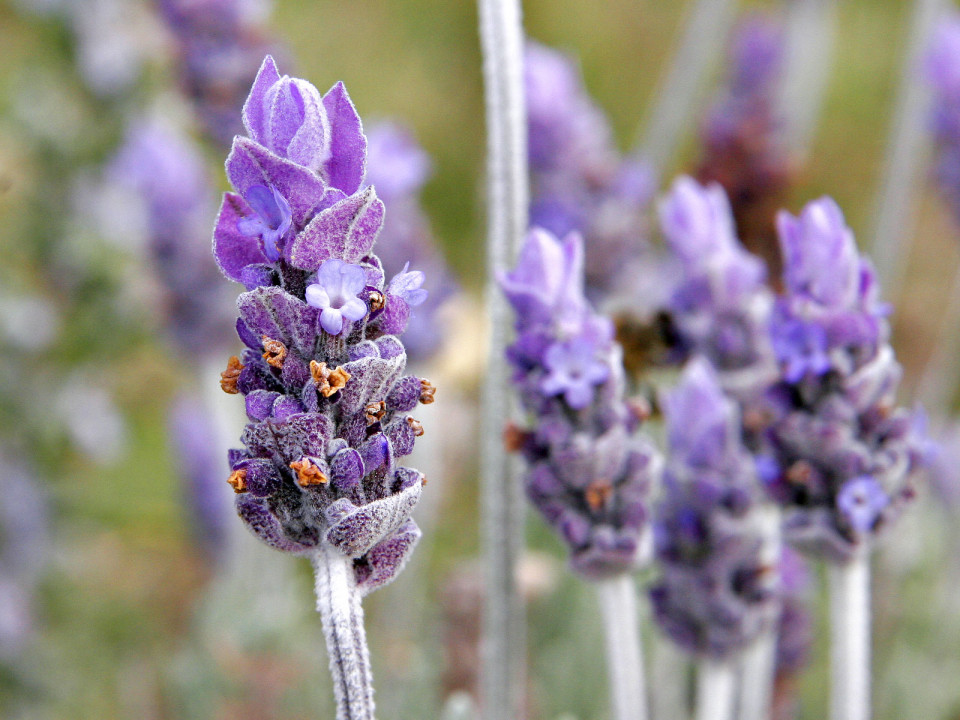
[(578, 179), (322, 374), (219, 43), (717, 593), (742, 137), (845, 452), (398, 167), (588, 471), (943, 74), (719, 305), (270, 222)]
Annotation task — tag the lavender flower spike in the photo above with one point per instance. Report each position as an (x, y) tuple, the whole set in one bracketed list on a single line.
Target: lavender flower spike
[(719, 305), (322, 375), (717, 592), (589, 472)]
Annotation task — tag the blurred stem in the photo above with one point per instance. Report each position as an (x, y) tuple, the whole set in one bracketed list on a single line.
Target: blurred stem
[(707, 27), (906, 151), (938, 383), (338, 603), (502, 642), (618, 606), (850, 639), (716, 682)]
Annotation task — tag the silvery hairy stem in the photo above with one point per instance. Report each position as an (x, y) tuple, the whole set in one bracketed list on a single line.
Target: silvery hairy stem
[(501, 36), (618, 606), (850, 639), (716, 690), (338, 603)]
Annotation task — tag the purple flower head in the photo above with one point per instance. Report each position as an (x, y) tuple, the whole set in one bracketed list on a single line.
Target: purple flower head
[(574, 370), (547, 283), (289, 118), (322, 373), (271, 221), (756, 57), (336, 292), (717, 591), (696, 220), (589, 472), (407, 285), (397, 165), (801, 348), (860, 502)]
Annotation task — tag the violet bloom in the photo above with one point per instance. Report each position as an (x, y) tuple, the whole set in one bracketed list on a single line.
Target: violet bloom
[(589, 472), (943, 75), (719, 305), (322, 374), (398, 167), (717, 592), (271, 219), (844, 452), (579, 181), (743, 137), (219, 45)]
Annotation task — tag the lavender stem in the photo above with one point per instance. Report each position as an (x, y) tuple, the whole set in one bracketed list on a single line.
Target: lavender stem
[(338, 603), (716, 684), (706, 31), (850, 639), (938, 383), (618, 606), (905, 155), (502, 643)]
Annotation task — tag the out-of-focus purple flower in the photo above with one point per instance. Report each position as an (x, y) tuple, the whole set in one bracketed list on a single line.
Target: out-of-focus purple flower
[(719, 305), (742, 137), (845, 452), (579, 181), (398, 168), (220, 44), (24, 547), (943, 74), (166, 174), (322, 375), (717, 593), (336, 292), (407, 285), (589, 472)]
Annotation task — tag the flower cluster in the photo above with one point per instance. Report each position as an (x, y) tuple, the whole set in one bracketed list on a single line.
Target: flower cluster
[(718, 589), (719, 306), (322, 374), (742, 138), (578, 179), (398, 168), (844, 453), (219, 43), (589, 472), (943, 75)]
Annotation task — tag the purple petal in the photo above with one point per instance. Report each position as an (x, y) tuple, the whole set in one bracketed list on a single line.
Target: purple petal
[(345, 231), (354, 309), (233, 249), (348, 146), (331, 320), (253, 109)]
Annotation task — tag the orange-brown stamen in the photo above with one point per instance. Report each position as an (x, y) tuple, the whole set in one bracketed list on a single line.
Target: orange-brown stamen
[(375, 411), (328, 381), (308, 474), (427, 391), (238, 481), (417, 427), (228, 378), (597, 494), (275, 352)]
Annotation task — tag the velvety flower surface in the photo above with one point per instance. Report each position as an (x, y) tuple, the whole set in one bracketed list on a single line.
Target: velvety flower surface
[(323, 372), (844, 453), (589, 472), (579, 181), (717, 592), (719, 305)]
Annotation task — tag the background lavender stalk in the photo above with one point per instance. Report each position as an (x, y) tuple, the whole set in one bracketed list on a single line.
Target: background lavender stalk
[(501, 36), (810, 29), (906, 152), (850, 639), (716, 689), (708, 24)]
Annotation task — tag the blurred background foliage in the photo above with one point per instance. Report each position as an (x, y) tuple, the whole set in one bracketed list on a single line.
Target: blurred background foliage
[(127, 619)]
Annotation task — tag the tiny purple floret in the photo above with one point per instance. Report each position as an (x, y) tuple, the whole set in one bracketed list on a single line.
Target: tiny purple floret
[(335, 293), (272, 219)]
